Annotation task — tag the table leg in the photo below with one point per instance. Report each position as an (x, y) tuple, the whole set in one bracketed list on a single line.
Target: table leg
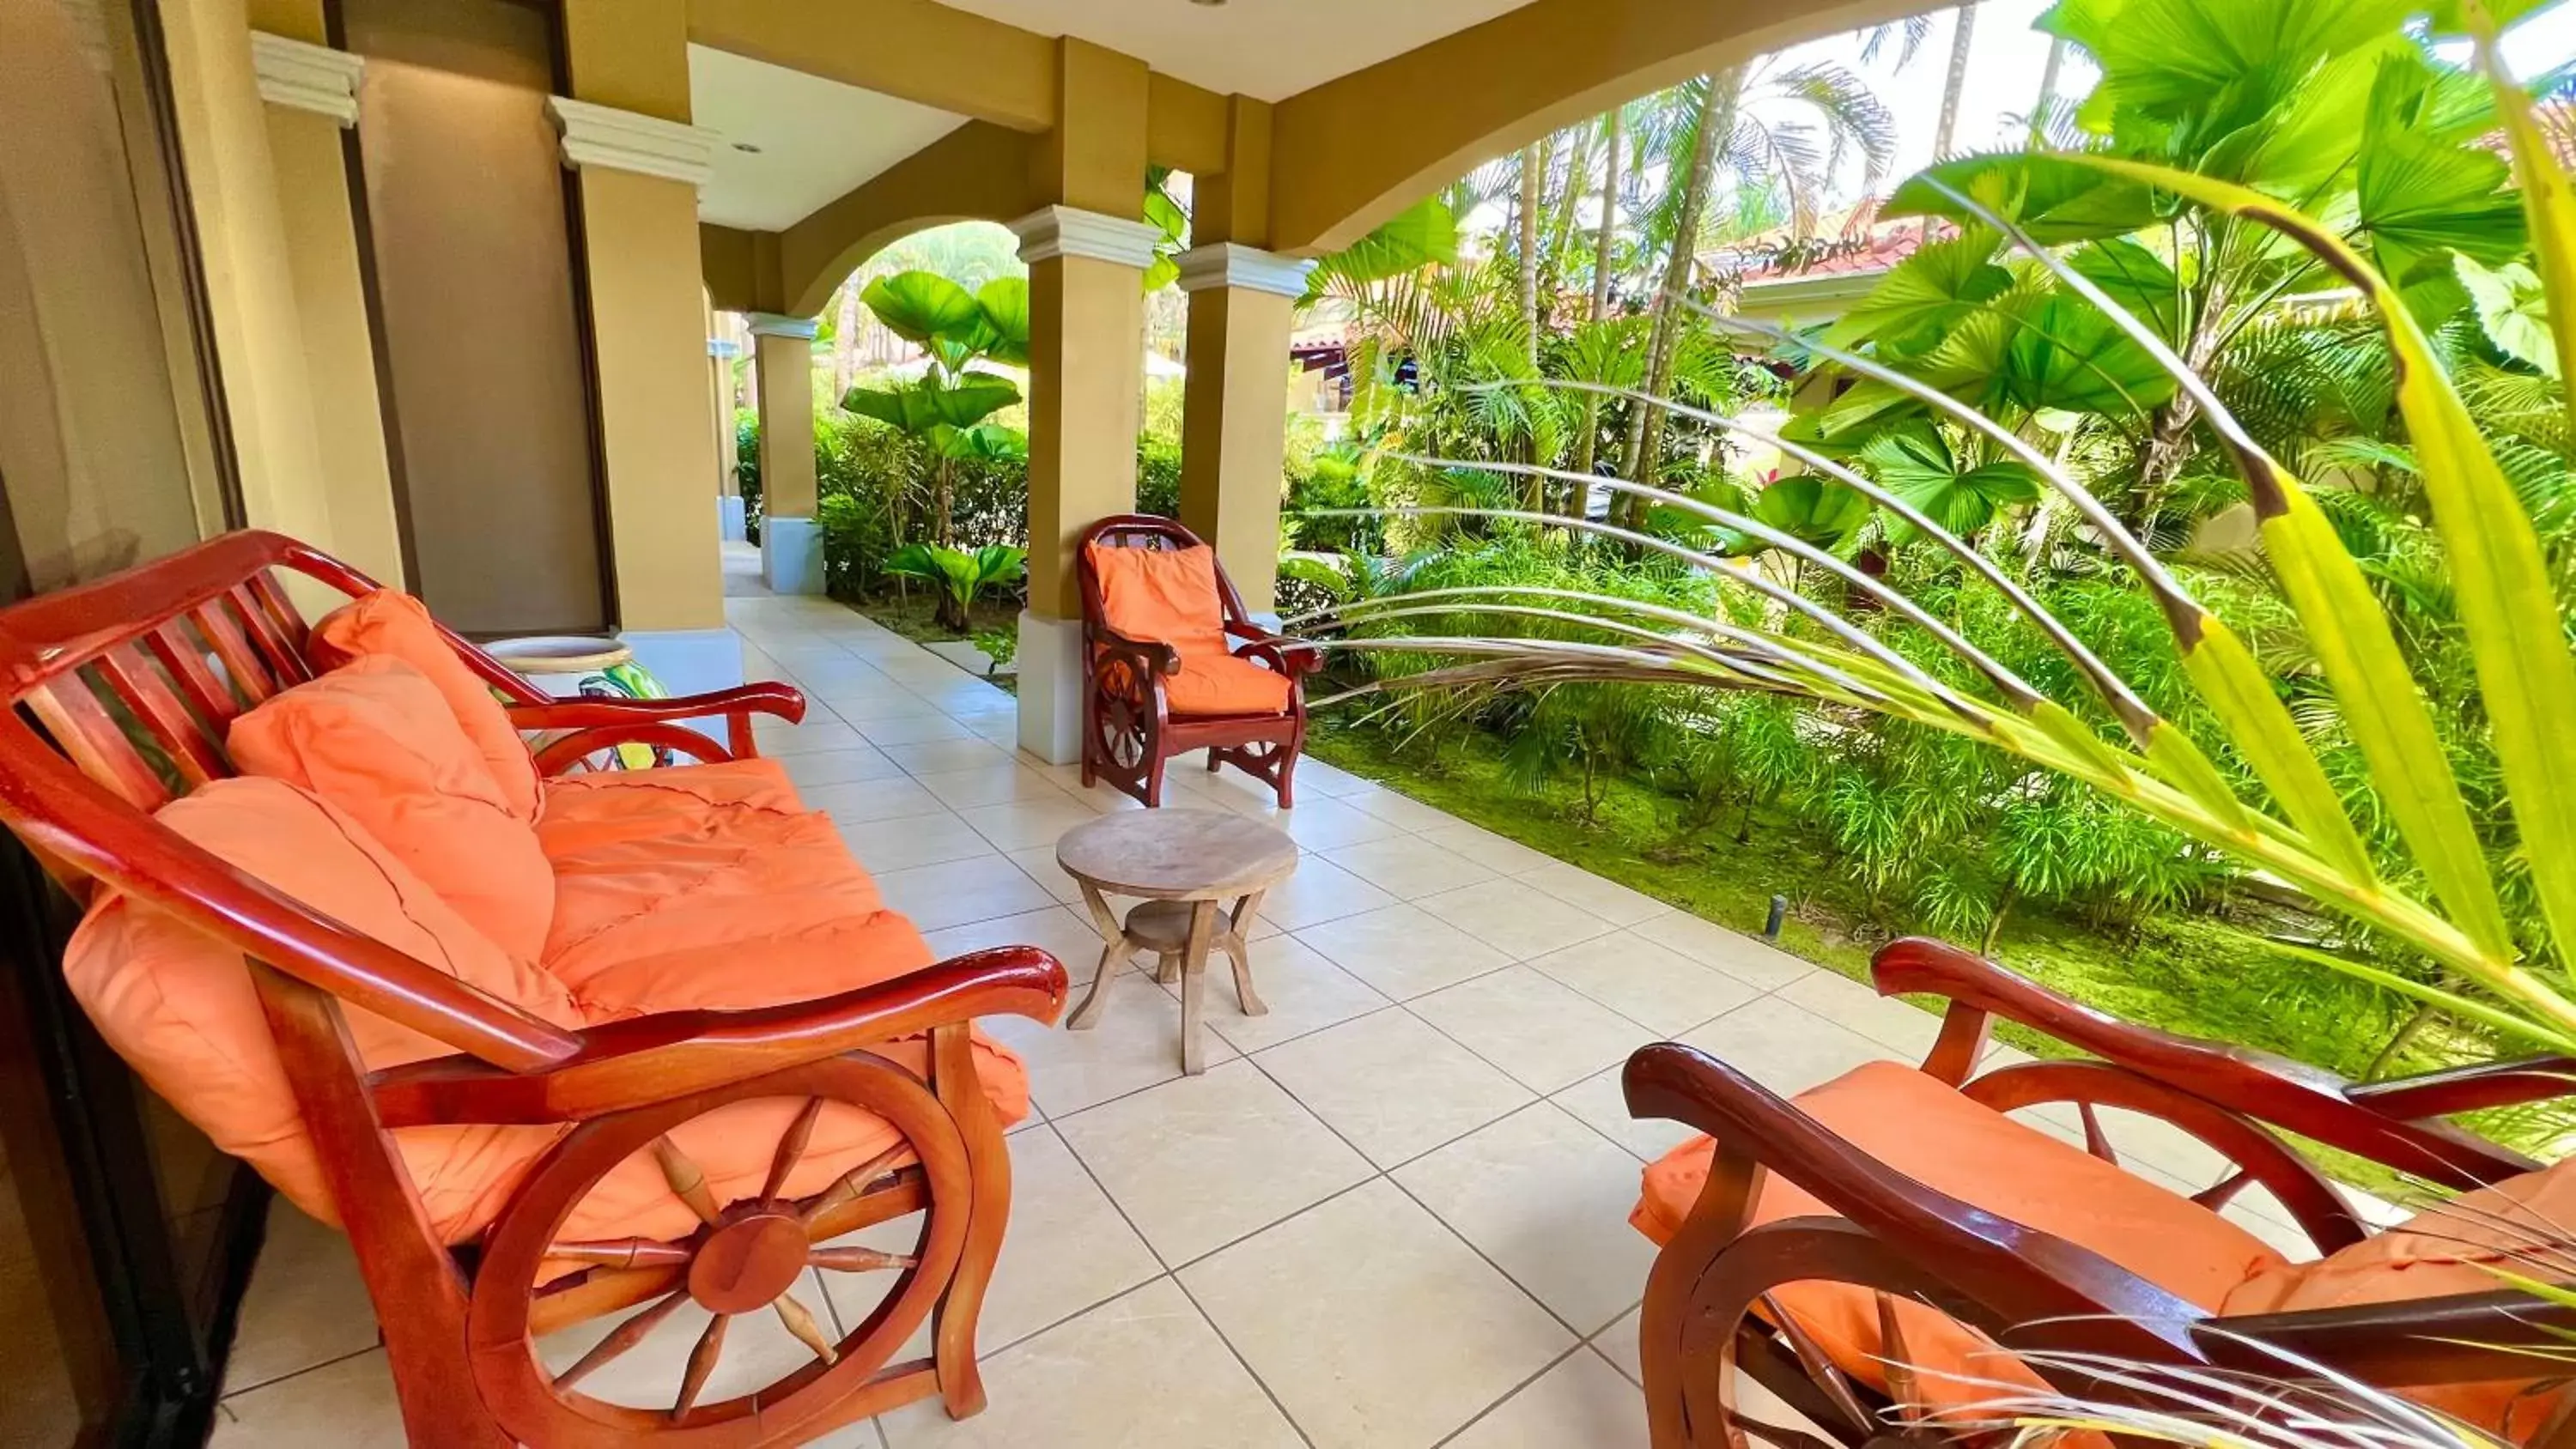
[(1194, 986), (1167, 967), (1239, 947), (1113, 959)]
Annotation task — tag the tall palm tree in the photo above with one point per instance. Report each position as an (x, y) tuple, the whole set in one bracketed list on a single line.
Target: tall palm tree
[(1962, 36), (1757, 126), (1587, 445), (1533, 175)]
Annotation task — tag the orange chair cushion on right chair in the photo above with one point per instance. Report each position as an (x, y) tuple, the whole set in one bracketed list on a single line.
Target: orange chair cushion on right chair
[(2444, 1250), (390, 621), (1170, 595), (1929, 1132)]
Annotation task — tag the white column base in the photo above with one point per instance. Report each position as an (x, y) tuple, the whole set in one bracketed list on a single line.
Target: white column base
[(729, 520), (1050, 666), (690, 661), (791, 555)]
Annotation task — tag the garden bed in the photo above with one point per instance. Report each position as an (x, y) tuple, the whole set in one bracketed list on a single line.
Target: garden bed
[(2195, 974)]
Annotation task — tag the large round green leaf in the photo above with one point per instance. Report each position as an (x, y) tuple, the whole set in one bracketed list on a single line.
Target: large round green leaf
[(1915, 464), (1812, 509), (1005, 304), (924, 307)]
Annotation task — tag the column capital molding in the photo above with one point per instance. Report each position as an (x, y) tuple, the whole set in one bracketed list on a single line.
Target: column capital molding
[(303, 76), (618, 140), (1250, 269), (1065, 231), (771, 324)]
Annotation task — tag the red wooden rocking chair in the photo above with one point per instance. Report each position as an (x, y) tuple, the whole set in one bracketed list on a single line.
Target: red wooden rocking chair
[(1832, 1295), (122, 691), (1171, 663)]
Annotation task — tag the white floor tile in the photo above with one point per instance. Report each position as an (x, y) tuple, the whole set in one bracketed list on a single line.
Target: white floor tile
[(1373, 1324), (1408, 868), (1402, 950), (1666, 991), (1143, 1364), (1545, 1034), (1547, 1199), (1201, 1161), (956, 892), (1583, 1400), (1391, 1085), (1515, 919), (1136, 1044)]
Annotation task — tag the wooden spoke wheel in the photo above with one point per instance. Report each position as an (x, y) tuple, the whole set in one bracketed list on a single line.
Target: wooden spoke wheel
[(1123, 721), (746, 1257), (1699, 1334)]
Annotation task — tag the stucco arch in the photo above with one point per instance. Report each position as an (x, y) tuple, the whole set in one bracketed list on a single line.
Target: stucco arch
[(1352, 152), (978, 172)]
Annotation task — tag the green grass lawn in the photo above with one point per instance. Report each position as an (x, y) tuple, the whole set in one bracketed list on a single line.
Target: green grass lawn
[(2189, 973)]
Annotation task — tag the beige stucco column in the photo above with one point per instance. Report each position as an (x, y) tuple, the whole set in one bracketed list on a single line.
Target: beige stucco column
[(250, 285), (1234, 424), (639, 164), (312, 96), (1086, 380), (791, 540)]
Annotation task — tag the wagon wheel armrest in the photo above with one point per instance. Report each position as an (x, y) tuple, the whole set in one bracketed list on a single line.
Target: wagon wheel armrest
[(672, 1054), (2018, 1273), (2386, 1122)]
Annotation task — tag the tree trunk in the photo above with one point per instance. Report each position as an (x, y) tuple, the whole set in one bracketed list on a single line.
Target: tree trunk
[(2047, 101), (1609, 228), (845, 340), (1957, 85), (1533, 171), (1645, 424), (942, 495), (1561, 221), (1587, 448)]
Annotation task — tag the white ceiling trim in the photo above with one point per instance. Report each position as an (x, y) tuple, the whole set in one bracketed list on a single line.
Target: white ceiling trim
[(630, 141), (306, 77)]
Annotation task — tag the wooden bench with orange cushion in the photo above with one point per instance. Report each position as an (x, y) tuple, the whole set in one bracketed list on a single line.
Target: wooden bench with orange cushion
[(1172, 663), (1891, 1236), (593, 1033)]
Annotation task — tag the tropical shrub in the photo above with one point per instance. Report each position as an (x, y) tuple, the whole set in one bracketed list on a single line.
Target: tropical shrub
[(960, 577), (946, 410), (2372, 707)]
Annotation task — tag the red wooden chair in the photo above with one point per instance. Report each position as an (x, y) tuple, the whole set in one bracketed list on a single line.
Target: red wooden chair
[(1172, 663), (1846, 1283), (122, 690)]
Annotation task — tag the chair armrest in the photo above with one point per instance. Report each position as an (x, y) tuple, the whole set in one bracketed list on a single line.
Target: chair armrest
[(1154, 655), (2018, 1274), (1295, 658), (605, 721), (2307, 1100), (675, 1053)]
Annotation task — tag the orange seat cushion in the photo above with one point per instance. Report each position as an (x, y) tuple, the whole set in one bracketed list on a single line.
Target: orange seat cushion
[(2435, 1254), (1929, 1132), (375, 739), (390, 621), (681, 889), (1224, 684), (1171, 596), (179, 1005)]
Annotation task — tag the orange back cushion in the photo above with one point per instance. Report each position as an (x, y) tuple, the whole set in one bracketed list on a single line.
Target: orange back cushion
[(1168, 595), (390, 621), (2442, 1251), (179, 1006), (375, 739)]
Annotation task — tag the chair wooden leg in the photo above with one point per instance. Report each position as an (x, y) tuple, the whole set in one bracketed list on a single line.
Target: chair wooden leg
[(961, 1381), (1154, 782), (1288, 775)]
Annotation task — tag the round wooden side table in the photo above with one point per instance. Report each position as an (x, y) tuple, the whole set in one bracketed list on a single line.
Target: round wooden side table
[(1183, 863)]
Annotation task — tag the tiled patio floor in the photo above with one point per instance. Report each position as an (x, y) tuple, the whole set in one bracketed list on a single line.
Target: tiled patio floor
[(1392, 1213)]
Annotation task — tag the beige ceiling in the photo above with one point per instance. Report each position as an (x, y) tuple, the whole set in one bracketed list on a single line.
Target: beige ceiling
[(1270, 49), (817, 138)]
